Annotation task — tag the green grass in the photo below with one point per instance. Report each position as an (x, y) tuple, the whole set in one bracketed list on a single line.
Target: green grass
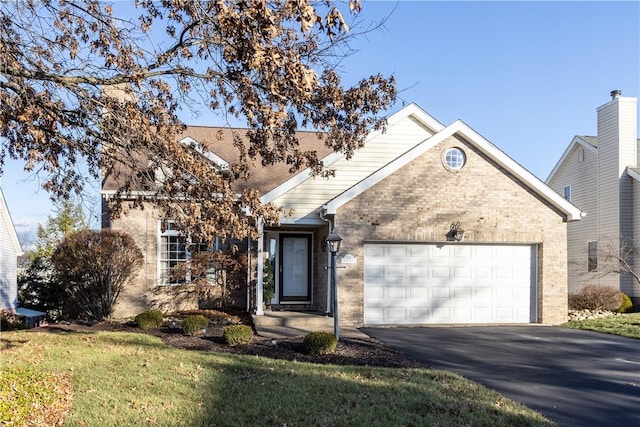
[(626, 325), (134, 379)]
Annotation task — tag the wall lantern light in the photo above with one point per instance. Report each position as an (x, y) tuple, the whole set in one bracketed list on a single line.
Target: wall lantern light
[(455, 234), (333, 242)]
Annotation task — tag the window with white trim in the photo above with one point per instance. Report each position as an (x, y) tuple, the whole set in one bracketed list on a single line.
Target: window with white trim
[(175, 253), (454, 158), (566, 192), (592, 256)]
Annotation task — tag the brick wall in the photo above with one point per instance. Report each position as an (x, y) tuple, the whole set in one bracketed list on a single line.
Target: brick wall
[(420, 202)]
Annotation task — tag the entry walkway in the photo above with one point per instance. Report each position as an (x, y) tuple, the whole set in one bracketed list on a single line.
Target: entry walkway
[(280, 324)]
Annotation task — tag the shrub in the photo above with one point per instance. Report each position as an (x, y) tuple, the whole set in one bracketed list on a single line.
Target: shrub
[(149, 319), (237, 334), (10, 321), (594, 297), (627, 305), (34, 398), (94, 267), (320, 343), (194, 324)]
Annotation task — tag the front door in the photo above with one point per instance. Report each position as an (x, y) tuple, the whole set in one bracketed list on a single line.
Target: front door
[(295, 268)]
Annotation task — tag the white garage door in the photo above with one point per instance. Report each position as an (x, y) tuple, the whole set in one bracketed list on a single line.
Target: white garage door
[(448, 283)]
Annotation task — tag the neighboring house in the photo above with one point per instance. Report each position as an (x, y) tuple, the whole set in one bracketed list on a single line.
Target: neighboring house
[(395, 203), (601, 176), (10, 250)]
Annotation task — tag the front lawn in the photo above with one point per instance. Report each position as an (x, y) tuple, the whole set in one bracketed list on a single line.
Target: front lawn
[(123, 378), (626, 325)]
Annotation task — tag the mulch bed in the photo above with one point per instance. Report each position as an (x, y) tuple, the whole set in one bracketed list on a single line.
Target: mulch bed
[(350, 351)]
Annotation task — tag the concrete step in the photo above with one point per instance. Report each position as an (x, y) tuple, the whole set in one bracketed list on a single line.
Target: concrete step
[(294, 319)]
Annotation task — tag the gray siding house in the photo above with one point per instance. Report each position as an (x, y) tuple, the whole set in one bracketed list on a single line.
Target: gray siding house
[(10, 250), (601, 176), (395, 204)]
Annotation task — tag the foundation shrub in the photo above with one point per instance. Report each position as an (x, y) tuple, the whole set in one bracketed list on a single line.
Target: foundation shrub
[(150, 319), (320, 343), (594, 297), (627, 305), (195, 323), (237, 334)]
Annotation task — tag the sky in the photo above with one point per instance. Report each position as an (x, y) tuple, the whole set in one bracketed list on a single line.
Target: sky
[(527, 76)]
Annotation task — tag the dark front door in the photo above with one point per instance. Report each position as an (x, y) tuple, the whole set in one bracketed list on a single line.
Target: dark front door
[(295, 268)]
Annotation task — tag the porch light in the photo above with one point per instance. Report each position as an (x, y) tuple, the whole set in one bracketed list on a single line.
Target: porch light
[(455, 234), (333, 242)]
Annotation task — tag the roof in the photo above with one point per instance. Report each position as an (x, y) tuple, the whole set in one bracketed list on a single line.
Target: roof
[(416, 132), (8, 223), (634, 173), (219, 140)]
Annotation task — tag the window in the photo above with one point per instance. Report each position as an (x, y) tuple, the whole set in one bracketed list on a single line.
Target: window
[(592, 262), (174, 255), (567, 192), (454, 158)]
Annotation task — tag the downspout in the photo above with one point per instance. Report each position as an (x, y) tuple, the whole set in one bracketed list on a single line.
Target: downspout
[(330, 226)]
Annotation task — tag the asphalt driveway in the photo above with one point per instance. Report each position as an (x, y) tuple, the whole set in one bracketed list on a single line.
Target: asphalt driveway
[(574, 377)]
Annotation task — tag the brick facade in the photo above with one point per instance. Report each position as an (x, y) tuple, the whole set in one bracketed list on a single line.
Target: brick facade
[(420, 201)]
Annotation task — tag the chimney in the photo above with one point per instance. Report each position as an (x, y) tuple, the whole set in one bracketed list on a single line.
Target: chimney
[(616, 93)]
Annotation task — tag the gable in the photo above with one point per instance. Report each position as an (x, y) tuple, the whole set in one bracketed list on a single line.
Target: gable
[(586, 144), (305, 195), (424, 197), (501, 160)]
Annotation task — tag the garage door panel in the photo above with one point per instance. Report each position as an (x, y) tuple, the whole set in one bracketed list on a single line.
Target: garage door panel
[(462, 272), (396, 292), (440, 273), (374, 292), (449, 283), (440, 292), (482, 273), (462, 292), (462, 314), (418, 272)]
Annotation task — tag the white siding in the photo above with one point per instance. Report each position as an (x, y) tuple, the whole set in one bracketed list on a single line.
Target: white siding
[(609, 173), (311, 194), (601, 188), (635, 286), (9, 251), (579, 175)]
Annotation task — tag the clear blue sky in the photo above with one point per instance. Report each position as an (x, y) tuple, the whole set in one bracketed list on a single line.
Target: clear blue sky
[(528, 76)]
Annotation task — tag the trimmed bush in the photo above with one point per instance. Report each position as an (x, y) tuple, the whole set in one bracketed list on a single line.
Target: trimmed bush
[(193, 324), (594, 297), (627, 305), (32, 398), (150, 319), (237, 334), (320, 343)]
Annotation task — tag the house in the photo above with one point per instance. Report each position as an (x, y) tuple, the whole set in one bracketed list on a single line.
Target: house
[(601, 176), (10, 250), (438, 226)]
